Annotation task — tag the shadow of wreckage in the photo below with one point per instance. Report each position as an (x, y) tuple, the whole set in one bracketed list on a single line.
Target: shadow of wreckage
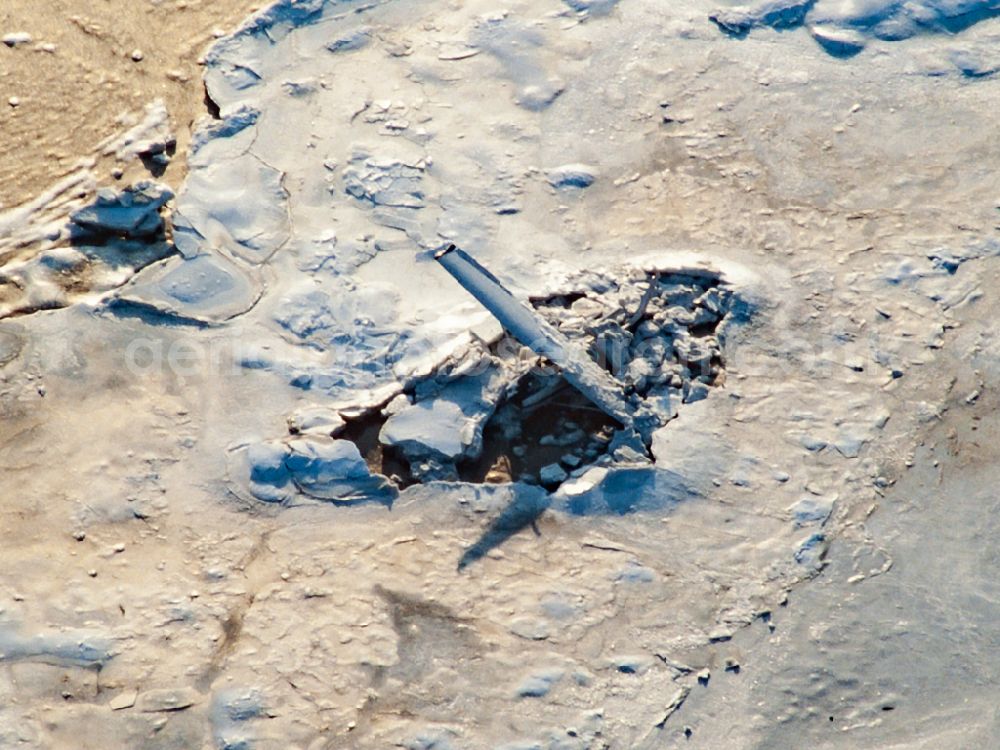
[(624, 490), (617, 491)]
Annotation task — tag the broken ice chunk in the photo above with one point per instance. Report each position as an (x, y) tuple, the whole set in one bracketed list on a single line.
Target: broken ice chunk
[(634, 572), (775, 13), (384, 182), (850, 440), (448, 427), (72, 648), (234, 705), (230, 709), (665, 403), (320, 420), (433, 427), (811, 510), (552, 474), (321, 468), (16, 38), (571, 175), (132, 213), (269, 477), (638, 373), (695, 391), (351, 40), (837, 41), (696, 353), (592, 7), (150, 140), (627, 446), (530, 628), (712, 300), (587, 307), (539, 684), (538, 96), (971, 64), (396, 405), (334, 470), (811, 551), (167, 699), (299, 88)]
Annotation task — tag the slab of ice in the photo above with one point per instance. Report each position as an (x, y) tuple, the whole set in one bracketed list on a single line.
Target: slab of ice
[(16, 38), (840, 26), (206, 288), (592, 7), (449, 426), (134, 212), (326, 469), (812, 550), (246, 215), (72, 648), (430, 428), (571, 175)]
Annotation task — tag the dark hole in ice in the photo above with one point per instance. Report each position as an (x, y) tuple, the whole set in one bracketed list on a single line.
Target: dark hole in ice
[(213, 109), (660, 341), (363, 431), (558, 300), (524, 436)]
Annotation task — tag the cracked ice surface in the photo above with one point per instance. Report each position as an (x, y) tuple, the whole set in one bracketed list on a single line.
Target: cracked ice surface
[(354, 140), (362, 154), (348, 152)]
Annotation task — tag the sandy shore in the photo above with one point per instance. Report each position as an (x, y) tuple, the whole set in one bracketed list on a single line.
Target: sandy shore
[(90, 67)]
